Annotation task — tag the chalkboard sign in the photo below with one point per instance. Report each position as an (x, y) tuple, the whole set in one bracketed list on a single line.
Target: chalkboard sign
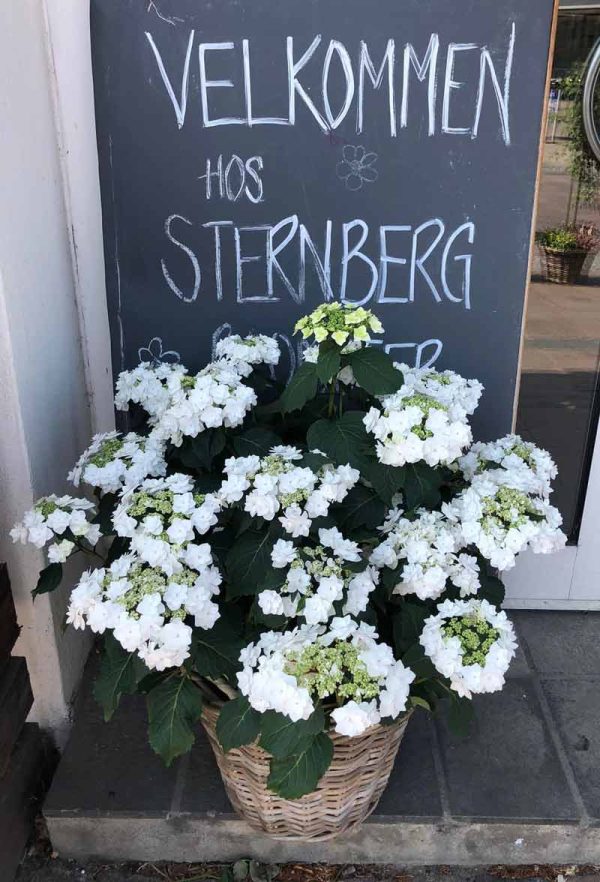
[(260, 156)]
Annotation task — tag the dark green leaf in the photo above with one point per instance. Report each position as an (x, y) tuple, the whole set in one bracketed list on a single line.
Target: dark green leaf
[(255, 441), (49, 580), (174, 706), (281, 737), (216, 652), (238, 724), (387, 480), (248, 564), (120, 672), (199, 452), (297, 775), (417, 701), (419, 663), (374, 371), (106, 507), (344, 440), (328, 363), (460, 715), (422, 486), (314, 461), (301, 388), (492, 589), (361, 508), (119, 546)]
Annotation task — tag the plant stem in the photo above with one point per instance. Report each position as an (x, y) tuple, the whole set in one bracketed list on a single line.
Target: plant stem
[(331, 406)]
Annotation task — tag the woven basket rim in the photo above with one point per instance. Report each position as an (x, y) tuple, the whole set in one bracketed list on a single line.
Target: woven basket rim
[(565, 251)]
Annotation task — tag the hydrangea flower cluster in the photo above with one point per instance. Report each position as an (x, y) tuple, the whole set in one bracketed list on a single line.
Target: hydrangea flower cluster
[(114, 461), (275, 483), (471, 643), (426, 419), (145, 608), (502, 521), (182, 405), (427, 552), (319, 578), (161, 518), (248, 352), (58, 516), (524, 466), (343, 664), (340, 322)]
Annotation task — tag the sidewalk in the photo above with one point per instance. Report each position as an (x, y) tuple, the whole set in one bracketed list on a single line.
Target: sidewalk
[(523, 788)]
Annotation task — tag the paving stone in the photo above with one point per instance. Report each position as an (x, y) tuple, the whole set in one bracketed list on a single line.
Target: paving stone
[(110, 767), (203, 791), (565, 643), (506, 768), (413, 789), (519, 666), (575, 706)]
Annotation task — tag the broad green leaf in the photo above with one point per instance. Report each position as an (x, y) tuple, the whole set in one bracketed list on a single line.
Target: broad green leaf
[(119, 546), (255, 441), (249, 566), (297, 775), (345, 440), (408, 624), (200, 451), (417, 701), (238, 724), (216, 652), (120, 673), (374, 371), (174, 706), (106, 507), (460, 715), (281, 737), (492, 589), (329, 360), (49, 580), (419, 663), (361, 508), (422, 486), (301, 388), (386, 480), (314, 461)]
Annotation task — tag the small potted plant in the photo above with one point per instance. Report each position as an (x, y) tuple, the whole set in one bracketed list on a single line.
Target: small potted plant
[(298, 574), (565, 249)]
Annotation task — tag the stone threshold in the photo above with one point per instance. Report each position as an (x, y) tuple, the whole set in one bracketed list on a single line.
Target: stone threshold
[(522, 788)]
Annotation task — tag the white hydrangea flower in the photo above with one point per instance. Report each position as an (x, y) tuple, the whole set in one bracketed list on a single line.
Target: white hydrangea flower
[(426, 420), (149, 386), (290, 672), (471, 643), (276, 484), (115, 461), (318, 577), (502, 521), (145, 607), (52, 516), (248, 351), (525, 467), (427, 553), (214, 397), (162, 517)]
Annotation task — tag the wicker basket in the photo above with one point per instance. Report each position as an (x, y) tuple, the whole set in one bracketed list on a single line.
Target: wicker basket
[(346, 794), (563, 267)]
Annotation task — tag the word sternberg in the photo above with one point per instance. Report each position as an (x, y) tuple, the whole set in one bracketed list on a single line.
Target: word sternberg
[(391, 264), (359, 71)]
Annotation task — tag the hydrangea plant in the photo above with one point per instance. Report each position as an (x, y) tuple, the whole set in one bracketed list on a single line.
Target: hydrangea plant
[(317, 558)]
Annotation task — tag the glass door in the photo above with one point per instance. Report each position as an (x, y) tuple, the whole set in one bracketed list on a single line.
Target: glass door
[(559, 400)]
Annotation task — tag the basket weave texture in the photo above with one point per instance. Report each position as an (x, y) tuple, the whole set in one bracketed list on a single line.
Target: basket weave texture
[(563, 267), (346, 794)]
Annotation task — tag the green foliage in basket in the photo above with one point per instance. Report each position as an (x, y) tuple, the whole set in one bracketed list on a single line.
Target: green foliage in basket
[(312, 558)]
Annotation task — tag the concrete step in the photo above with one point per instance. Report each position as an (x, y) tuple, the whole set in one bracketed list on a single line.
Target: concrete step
[(523, 787)]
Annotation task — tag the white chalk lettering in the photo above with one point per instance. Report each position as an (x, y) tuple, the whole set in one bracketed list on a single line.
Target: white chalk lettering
[(349, 254), (340, 50), (194, 261), (366, 65), (206, 84), (450, 84), (242, 259), (502, 95), (469, 228), (426, 68), (322, 266), (179, 106)]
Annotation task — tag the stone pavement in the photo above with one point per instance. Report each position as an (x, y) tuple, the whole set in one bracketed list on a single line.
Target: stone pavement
[(523, 787)]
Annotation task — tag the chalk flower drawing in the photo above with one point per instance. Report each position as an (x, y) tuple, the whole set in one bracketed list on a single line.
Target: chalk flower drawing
[(154, 354), (357, 167)]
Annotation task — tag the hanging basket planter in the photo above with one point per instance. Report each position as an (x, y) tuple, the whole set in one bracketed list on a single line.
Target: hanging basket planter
[(346, 794), (563, 267)]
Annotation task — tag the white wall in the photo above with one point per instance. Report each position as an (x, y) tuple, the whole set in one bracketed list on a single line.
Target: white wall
[(45, 371)]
